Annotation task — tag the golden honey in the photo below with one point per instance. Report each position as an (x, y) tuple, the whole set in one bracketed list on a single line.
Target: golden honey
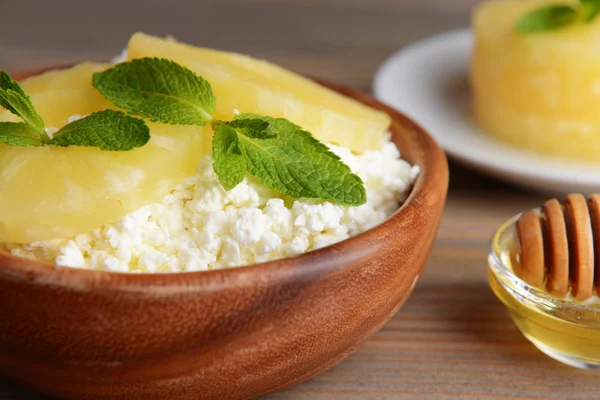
[(564, 329)]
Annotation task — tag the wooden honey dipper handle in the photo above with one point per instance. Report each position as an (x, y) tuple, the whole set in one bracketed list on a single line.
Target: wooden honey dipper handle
[(556, 247)]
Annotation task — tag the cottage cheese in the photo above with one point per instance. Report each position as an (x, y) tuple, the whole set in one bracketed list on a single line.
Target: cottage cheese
[(201, 226)]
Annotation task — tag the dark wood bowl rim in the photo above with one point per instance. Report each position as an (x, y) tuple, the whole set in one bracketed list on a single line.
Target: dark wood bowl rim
[(302, 267)]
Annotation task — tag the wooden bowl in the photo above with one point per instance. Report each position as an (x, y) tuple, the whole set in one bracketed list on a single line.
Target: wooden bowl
[(225, 334)]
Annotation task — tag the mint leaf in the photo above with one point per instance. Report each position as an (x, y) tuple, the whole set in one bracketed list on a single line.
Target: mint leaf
[(14, 99), (158, 89), (21, 106), (18, 134), (108, 130), (298, 165), (6, 82), (252, 125), (590, 9), (547, 18), (228, 162)]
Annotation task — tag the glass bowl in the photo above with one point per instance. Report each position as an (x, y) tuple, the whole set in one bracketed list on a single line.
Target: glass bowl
[(562, 328)]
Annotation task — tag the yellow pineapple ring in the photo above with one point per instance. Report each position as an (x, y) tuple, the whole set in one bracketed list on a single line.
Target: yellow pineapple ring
[(249, 85), (537, 91)]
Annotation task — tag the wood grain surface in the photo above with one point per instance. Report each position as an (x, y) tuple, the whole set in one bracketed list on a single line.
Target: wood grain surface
[(452, 339)]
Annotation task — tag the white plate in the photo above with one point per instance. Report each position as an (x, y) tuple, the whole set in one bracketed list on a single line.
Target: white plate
[(429, 82)]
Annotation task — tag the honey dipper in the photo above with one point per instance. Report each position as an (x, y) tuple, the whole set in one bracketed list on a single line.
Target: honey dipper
[(557, 245)]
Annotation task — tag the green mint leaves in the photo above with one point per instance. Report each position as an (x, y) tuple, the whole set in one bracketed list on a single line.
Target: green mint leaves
[(590, 9), (158, 89), (547, 18), (285, 157), (19, 134), (281, 154), (295, 163), (228, 161), (108, 130), (554, 17), (14, 99), (253, 126)]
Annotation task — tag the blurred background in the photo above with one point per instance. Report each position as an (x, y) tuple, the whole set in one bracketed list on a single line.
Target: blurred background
[(344, 40)]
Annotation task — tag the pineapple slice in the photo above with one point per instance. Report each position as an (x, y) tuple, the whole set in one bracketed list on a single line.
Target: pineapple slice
[(57, 106), (53, 192), (250, 85), (537, 91), (79, 76), (72, 86)]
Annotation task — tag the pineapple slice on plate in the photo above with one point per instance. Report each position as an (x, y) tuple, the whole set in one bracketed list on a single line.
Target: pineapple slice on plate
[(537, 91), (250, 85), (53, 192)]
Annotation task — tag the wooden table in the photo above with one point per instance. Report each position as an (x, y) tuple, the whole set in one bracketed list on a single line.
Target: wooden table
[(452, 339)]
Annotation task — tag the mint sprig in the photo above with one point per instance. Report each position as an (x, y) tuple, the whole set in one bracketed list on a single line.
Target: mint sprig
[(228, 161), (108, 130), (14, 99), (295, 163), (553, 17), (254, 126), (19, 134), (547, 18), (284, 156), (159, 90), (590, 9)]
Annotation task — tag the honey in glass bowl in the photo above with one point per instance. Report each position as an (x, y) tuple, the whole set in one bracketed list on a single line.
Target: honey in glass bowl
[(563, 328)]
